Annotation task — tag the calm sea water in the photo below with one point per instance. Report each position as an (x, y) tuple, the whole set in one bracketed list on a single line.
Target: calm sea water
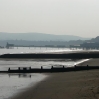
[(11, 84), (35, 50)]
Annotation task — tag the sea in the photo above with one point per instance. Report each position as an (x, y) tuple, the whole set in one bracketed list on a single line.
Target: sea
[(12, 84)]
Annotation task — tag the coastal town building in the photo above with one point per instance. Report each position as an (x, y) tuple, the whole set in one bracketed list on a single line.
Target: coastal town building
[(87, 45)]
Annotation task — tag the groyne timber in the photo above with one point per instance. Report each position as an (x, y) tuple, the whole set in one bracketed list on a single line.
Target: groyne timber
[(63, 55), (49, 70)]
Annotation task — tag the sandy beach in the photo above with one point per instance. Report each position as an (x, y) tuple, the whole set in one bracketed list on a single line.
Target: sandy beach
[(67, 85)]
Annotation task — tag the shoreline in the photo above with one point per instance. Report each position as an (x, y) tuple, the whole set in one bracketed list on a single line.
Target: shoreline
[(28, 88), (70, 85)]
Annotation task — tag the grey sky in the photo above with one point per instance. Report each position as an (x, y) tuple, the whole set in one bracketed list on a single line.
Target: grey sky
[(70, 17)]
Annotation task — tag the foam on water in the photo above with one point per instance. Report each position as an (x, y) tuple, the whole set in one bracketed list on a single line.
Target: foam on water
[(84, 60)]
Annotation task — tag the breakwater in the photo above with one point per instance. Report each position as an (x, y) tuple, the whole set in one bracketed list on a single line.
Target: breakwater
[(72, 55), (49, 70)]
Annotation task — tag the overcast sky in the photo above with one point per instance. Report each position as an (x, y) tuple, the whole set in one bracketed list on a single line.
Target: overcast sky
[(70, 17)]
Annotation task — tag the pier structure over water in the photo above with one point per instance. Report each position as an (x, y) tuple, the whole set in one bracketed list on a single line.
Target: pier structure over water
[(9, 45)]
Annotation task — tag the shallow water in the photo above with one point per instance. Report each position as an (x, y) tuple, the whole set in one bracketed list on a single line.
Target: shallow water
[(35, 50), (10, 84), (6, 63)]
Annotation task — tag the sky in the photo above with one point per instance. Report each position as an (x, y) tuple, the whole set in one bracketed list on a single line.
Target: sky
[(69, 17)]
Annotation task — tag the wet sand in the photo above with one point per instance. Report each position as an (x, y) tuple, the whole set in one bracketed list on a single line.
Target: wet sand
[(91, 62), (68, 85)]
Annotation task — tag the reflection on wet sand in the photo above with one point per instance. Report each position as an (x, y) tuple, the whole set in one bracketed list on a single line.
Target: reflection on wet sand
[(11, 84), (20, 75)]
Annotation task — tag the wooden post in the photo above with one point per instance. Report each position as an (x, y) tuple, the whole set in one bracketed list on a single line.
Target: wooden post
[(75, 68), (41, 67), (9, 69), (18, 68), (87, 67), (29, 68), (52, 67)]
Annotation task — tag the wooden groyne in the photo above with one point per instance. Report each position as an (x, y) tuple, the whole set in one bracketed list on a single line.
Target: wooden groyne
[(49, 70), (74, 55)]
